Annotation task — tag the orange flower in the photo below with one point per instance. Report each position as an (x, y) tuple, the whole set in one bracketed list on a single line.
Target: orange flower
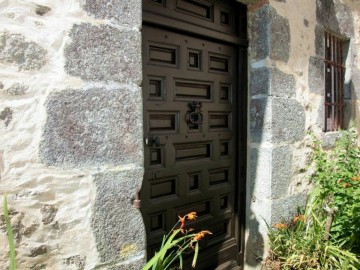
[(280, 226), (191, 216), (182, 222), (299, 218), (201, 235), (356, 178), (346, 185)]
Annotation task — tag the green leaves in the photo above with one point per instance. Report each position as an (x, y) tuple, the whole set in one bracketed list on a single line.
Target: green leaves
[(336, 192), (173, 246), (336, 177), (159, 261), (195, 255)]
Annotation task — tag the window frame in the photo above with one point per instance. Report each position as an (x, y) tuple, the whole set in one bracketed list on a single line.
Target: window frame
[(334, 69)]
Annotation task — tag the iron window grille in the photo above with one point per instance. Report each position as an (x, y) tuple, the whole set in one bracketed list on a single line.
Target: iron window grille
[(334, 83)]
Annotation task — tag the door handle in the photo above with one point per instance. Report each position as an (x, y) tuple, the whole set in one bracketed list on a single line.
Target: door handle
[(152, 141), (194, 116)]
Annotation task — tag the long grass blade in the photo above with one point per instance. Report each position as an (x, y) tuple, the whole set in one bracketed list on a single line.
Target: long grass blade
[(10, 234), (181, 261), (195, 255)]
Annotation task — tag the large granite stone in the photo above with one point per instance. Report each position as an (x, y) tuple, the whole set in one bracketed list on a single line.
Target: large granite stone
[(124, 12), (349, 115), (288, 120), (316, 78), (118, 227), (75, 262), (271, 180), (134, 264), (281, 171), (276, 120), (326, 14), (103, 53), (355, 84), (320, 119), (286, 208), (259, 81), (269, 35), (319, 41), (93, 127), (27, 55), (6, 116), (335, 16), (259, 33), (16, 89), (259, 184), (260, 120), (279, 37), (329, 139), (271, 81)]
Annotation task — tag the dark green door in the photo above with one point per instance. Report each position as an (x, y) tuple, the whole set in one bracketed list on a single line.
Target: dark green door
[(190, 126)]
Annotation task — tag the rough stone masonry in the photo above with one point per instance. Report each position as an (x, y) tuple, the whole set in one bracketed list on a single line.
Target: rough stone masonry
[(71, 154), (286, 100)]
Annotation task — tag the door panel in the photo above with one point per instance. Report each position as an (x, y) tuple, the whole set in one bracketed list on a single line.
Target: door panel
[(226, 19), (189, 123)]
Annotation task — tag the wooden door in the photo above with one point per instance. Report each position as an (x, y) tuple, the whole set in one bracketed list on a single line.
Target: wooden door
[(190, 95)]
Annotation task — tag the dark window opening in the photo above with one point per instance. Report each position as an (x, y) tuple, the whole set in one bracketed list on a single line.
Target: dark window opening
[(334, 82)]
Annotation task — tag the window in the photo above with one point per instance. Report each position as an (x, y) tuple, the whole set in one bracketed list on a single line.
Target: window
[(334, 82)]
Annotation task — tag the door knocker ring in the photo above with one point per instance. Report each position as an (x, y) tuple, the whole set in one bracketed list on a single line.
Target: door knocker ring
[(194, 116)]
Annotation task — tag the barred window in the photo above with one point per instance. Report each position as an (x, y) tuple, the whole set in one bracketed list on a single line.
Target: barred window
[(334, 82)]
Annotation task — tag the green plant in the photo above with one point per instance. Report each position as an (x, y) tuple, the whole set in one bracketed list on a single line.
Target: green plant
[(337, 189), (9, 234), (299, 244), (174, 244), (326, 235)]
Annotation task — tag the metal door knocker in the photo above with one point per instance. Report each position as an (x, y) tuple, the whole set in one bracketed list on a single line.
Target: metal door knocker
[(194, 117)]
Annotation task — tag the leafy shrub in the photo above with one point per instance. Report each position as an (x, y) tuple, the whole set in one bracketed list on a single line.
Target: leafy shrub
[(337, 189), (326, 235)]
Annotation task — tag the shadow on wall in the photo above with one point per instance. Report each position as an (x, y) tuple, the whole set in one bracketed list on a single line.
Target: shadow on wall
[(255, 243), (254, 240), (352, 109)]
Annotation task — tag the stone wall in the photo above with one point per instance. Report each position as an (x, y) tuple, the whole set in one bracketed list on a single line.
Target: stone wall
[(286, 96), (71, 157)]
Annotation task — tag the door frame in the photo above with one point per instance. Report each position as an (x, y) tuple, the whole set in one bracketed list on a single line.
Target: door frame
[(240, 43)]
